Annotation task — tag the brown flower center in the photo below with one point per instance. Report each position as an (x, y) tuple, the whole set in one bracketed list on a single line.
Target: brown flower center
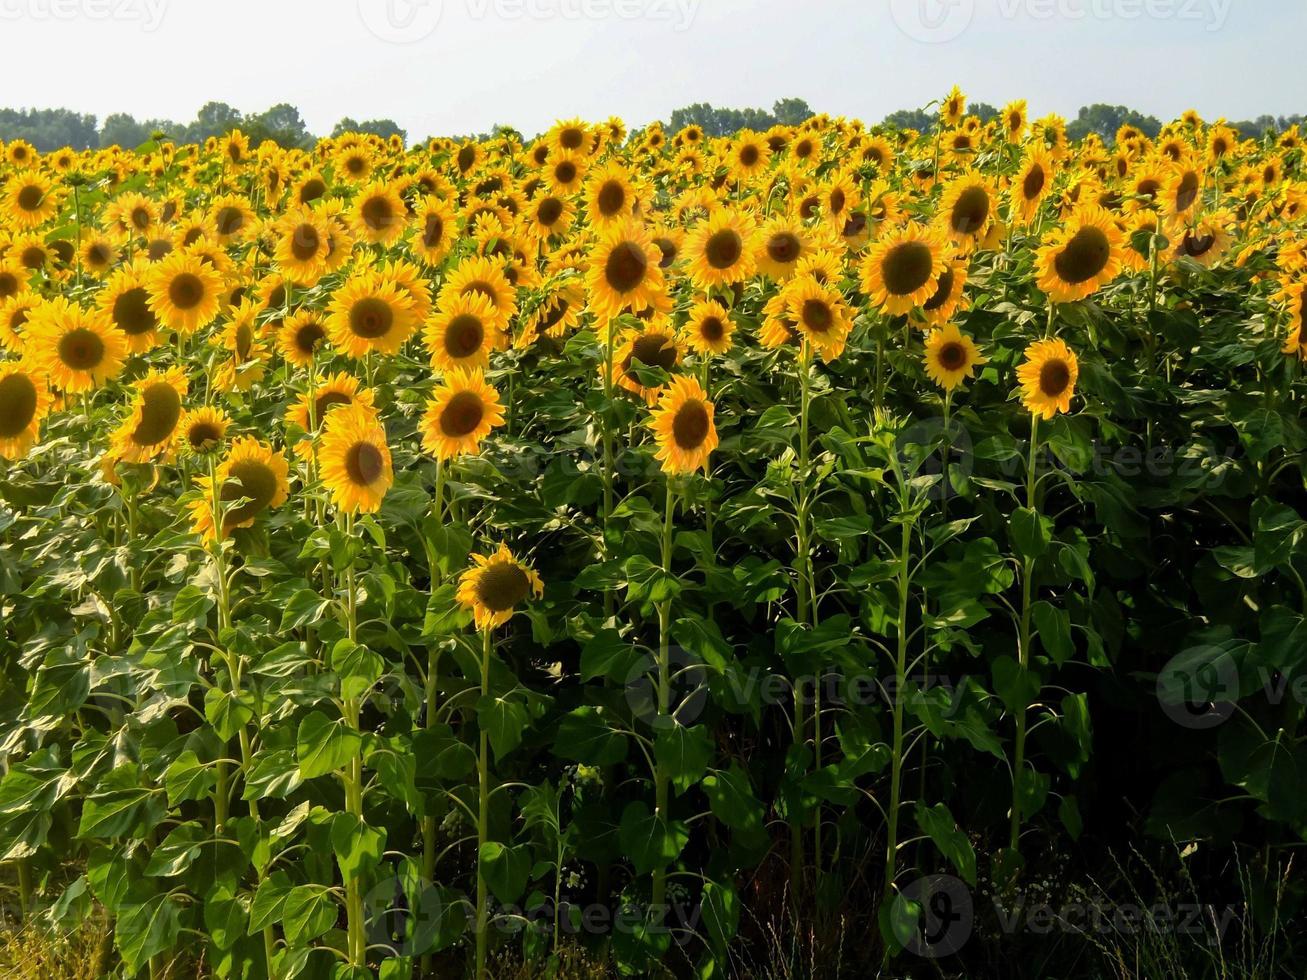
[(626, 267), (17, 405), (364, 463), (462, 414), (690, 425), (1084, 256), (370, 318)]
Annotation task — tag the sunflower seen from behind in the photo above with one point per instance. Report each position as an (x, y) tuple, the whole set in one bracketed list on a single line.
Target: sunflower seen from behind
[(1048, 377), (354, 460), (495, 586), (683, 427)]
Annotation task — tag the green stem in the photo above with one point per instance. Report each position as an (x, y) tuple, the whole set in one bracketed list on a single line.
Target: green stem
[(661, 779), (802, 597), (900, 674), (606, 428), (483, 813), (1023, 643)]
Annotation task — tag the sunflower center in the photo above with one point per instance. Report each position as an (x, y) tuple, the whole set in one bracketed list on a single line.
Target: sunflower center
[(572, 138), (248, 478), (81, 349), (654, 349), (33, 258), (312, 190), (356, 165), (186, 291), (1054, 377), (1084, 256), (669, 250), (140, 218), (856, 224), (803, 149), (17, 405), (943, 290), (952, 356), (97, 254), (784, 247), (712, 329), (305, 242), (501, 586), (970, 211), (30, 197), (8, 285), (161, 409), (364, 463), (549, 211), (626, 267), (556, 313), (724, 249), (1033, 185), (203, 434), (1148, 187), (308, 336), (464, 335), (371, 317), (907, 267), (329, 400), (611, 198), (466, 157), (244, 340), (1194, 246), (132, 313), (690, 425), (817, 316), (1187, 192), (377, 213), (433, 232), (462, 414), (565, 172), (749, 156)]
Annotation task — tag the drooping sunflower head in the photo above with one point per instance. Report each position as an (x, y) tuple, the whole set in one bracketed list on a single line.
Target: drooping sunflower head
[(1048, 377), (460, 413), (723, 248), (495, 586), (554, 316), (14, 314), (76, 349), (951, 356), (709, 329), (1080, 257), (683, 427), (251, 480), (369, 313), (24, 401), (354, 459), (902, 267), (153, 425), (1183, 190)]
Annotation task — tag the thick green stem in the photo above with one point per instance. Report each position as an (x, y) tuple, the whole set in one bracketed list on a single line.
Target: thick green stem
[(432, 704), (1023, 643), (483, 813), (661, 779), (900, 676)]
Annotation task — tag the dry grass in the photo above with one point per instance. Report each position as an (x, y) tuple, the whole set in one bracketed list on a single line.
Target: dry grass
[(37, 953)]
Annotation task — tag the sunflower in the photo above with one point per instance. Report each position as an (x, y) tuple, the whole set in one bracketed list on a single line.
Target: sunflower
[(820, 313), (131, 215), (204, 429), (947, 298), (184, 292), (153, 425), (556, 314), (482, 276), (235, 147), (624, 270), (609, 196), (369, 313), (1183, 191), (954, 107), (240, 334), (98, 255), (1205, 242), (1294, 299), (778, 328), (354, 460), (653, 345), (14, 314), (709, 329), (76, 349), (967, 209), (303, 239), (1048, 377), (30, 199), (565, 172), (1015, 120), (24, 400), (723, 248), (494, 586), (1031, 185), (252, 478), (32, 253), (683, 427), (878, 152), (460, 413), (340, 389), (749, 156), (549, 214), (462, 333), (1221, 140), (300, 337), (13, 276), (902, 267), (230, 219), (781, 244), (1080, 257), (309, 188), (434, 231), (951, 357), (378, 215)]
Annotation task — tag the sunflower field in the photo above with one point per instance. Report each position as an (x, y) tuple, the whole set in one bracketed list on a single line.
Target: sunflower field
[(415, 556)]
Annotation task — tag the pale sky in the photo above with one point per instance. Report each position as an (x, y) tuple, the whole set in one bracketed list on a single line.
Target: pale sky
[(529, 62)]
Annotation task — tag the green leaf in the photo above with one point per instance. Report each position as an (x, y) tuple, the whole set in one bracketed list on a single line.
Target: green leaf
[(226, 713), (178, 851), (121, 806), (357, 667), (606, 654), (323, 745), (938, 823), (269, 901), (358, 847), (1030, 532), (721, 913), (684, 753), (1017, 688), (1054, 628), (583, 736), (147, 929), (186, 778), (506, 869), (305, 608), (505, 719), (648, 840), (308, 912)]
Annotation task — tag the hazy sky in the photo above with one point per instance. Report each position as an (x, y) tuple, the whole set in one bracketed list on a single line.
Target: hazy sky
[(528, 62)]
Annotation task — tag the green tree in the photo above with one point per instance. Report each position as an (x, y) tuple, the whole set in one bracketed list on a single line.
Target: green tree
[(1105, 120)]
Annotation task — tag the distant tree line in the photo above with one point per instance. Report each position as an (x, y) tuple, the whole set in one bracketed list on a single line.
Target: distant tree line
[(52, 129)]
